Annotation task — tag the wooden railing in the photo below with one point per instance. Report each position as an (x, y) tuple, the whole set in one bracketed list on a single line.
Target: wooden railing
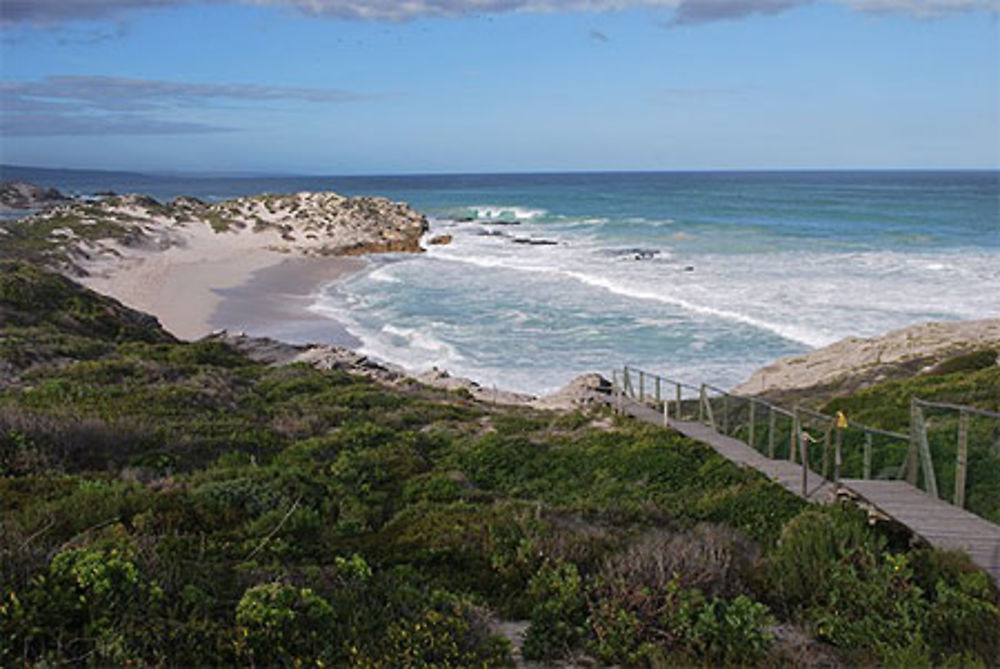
[(920, 443), (785, 433)]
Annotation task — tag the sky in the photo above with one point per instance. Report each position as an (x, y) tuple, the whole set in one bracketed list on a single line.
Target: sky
[(423, 86)]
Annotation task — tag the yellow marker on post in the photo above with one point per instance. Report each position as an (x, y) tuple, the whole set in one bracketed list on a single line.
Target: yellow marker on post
[(841, 424)]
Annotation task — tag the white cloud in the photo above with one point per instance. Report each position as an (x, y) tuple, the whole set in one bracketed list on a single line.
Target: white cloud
[(686, 11), (925, 8), (94, 105)]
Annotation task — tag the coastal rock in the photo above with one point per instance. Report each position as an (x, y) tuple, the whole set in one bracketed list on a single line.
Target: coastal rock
[(854, 363), (273, 352), (583, 391), (534, 242), (21, 195), (440, 240), (438, 378), (634, 253)]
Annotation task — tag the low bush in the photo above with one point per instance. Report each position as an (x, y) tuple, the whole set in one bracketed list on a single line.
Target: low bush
[(282, 624), (558, 612), (812, 544)]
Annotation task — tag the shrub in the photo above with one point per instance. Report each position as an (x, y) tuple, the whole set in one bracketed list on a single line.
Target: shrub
[(90, 602), (559, 611), (811, 545), (449, 632), (669, 594), (282, 624), (730, 631), (686, 625), (870, 602), (965, 617), (967, 362), (713, 558), (18, 455)]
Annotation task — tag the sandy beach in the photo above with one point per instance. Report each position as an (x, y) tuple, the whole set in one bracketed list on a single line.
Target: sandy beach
[(233, 281)]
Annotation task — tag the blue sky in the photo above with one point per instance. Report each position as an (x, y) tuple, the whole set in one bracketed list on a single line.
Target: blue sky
[(353, 87)]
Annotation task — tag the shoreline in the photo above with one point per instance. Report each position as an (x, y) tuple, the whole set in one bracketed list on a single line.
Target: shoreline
[(273, 301)]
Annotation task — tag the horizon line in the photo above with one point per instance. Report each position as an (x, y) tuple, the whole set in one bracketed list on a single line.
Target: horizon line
[(253, 174)]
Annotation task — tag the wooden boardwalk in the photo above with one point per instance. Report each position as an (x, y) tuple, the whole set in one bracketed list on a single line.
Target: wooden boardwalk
[(788, 474), (940, 524)]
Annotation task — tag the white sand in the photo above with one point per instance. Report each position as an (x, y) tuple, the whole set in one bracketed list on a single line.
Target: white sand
[(179, 285)]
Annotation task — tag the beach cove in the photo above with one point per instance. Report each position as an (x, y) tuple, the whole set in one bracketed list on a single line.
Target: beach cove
[(546, 277)]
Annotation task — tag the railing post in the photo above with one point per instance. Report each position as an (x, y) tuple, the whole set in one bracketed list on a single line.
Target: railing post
[(911, 452), (804, 451), (752, 436), (708, 408), (725, 413), (657, 389), (793, 440), (868, 455), (701, 404), (642, 386), (615, 390), (826, 452), (837, 456), (666, 408), (930, 480), (772, 427), (962, 458), (677, 413), (614, 381)]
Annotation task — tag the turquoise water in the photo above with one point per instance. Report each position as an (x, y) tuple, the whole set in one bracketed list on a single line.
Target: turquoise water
[(701, 276), (706, 276)]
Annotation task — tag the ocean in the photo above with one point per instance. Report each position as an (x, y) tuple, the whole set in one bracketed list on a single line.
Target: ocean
[(702, 276)]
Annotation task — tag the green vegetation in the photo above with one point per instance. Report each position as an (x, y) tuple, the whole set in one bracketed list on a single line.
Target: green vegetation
[(218, 222), (42, 238), (970, 380), (173, 503)]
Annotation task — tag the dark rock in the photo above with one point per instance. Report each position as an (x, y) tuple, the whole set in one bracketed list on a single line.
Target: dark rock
[(534, 242), (635, 253), (187, 202), (23, 195)]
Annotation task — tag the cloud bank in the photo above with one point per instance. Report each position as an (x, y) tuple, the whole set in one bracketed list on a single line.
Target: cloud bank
[(97, 105), (686, 12)]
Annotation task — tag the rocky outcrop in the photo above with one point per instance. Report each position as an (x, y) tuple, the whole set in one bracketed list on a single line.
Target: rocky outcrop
[(318, 224), (580, 393), (854, 363), (21, 195), (273, 352), (323, 223), (583, 391), (438, 378), (440, 240)]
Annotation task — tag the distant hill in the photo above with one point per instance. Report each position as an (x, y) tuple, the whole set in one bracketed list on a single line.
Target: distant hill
[(45, 175)]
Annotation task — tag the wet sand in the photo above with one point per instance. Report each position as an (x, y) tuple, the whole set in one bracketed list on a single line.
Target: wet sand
[(274, 302)]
